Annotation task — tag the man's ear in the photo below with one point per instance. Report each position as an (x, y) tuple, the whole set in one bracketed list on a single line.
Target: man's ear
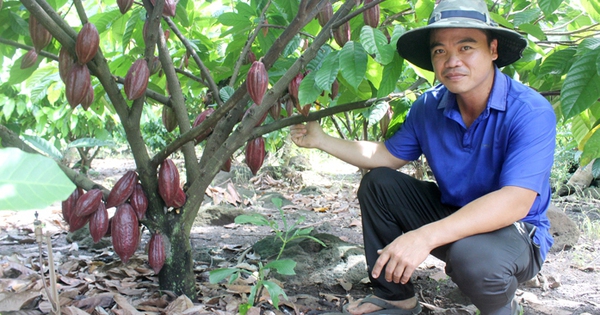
[(494, 49)]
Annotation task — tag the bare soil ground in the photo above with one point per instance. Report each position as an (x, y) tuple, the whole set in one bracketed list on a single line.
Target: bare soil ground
[(92, 279)]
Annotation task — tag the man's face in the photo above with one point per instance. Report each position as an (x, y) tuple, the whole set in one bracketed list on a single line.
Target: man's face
[(462, 60)]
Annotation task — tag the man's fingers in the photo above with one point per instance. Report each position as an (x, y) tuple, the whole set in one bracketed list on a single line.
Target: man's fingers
[(379, 264)]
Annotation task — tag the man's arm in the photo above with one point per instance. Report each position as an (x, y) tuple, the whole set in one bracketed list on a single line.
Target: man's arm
[(488, 213), (363, 154)]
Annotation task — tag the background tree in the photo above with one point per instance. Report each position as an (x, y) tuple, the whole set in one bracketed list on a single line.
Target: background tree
[(198, 54)]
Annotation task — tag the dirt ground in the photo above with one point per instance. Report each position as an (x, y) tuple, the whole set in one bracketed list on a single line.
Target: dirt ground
[(317, 193)]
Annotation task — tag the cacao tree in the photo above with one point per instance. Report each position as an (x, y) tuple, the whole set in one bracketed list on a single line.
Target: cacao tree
[(211, 72)]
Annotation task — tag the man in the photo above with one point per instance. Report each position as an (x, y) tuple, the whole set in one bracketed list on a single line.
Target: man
[(489, 141)]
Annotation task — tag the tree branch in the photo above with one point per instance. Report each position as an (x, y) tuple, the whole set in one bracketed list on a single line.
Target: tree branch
[(42, 53)]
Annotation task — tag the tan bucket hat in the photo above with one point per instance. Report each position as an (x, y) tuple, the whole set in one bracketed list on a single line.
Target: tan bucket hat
[(414, 44)]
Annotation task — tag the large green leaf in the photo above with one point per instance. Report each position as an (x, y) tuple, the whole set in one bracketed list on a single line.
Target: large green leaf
[(582, 85), (308, 91), (233, 19), (375, 43), (534, 30), (104, 21), (30, 181), (90, 142), (353, 63), (558, 62), (328, 72), (218, 275), (44, 146), (283, 266), (549, 6), (592, 7), (391, 74), (591, 149)]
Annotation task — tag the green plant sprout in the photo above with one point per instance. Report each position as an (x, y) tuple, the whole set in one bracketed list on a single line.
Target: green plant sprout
[(286, 234)]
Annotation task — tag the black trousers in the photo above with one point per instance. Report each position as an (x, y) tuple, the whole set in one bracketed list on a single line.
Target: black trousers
[(486, 267)]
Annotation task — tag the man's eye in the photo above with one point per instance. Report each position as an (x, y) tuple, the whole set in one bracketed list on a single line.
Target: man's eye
[(437, 51), (466, 47)]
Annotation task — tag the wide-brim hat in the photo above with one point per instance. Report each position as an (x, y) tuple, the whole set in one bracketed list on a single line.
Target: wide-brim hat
[(414, 44)]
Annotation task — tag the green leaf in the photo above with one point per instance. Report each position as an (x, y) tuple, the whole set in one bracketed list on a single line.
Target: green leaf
[(582, 85), (549, 6), (316, 63), (254, 218), (226, 93), (274, 292), (558, 62), (423, 9), (18, 75), (533, 30), (391, 74), (90, 142), (501, 20), (283, 266), (328, 72), (526, 16), (233, 19), (103, 21), (8, 106), (130, 27), (591, 149), (30, 181), (377, 111), (218, 275), (353, 62), (44, 146), (308, 91), (592, 7), (375, 43)]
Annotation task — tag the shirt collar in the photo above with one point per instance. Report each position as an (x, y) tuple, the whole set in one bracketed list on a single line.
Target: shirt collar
[(497, 98)]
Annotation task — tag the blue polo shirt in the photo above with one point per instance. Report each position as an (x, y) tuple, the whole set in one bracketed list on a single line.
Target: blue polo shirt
[(510, 144)]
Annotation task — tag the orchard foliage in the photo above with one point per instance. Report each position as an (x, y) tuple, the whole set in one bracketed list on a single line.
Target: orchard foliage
[(183, 66)]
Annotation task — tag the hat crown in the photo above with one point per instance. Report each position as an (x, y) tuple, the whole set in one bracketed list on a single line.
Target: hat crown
[(469, 11)]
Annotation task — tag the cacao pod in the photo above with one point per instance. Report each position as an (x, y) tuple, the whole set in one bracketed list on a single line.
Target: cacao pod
[(124, 5), (335, 88), (108, 232), (304, 110), (199, 119), (99, 223), (65, 62), (89, 98), (125, 232), (156, 252), (87, 43), (227, 166), (139, 201), (289, 107), (325, 14), (371, 15), (29, 59), (169, 8), (384, 123), (179, 199), (168, 118), (155, 65), (68, 205), (168, 181), (250, 57), (39, 34), (167, 34), (275, 111), (136, 80), (87, 203), (255, 154), (76, 223), (257, 81), (253, 109), (342, 34), (294, 85), (122, 189), (77, 85)]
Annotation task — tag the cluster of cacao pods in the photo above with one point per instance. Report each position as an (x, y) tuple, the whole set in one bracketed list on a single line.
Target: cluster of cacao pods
[(131, 202), (40, 37), (255, 154), (371, 16), (257, 81), (169, 187)]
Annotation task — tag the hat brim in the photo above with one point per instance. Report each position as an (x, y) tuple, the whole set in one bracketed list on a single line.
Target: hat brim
[(414, 44)]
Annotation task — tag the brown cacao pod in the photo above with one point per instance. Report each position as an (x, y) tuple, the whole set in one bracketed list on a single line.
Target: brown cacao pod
[(325, 14), (335, 88), (371, 15), (124, 5), (29, 59), (87, 43), (68, 205), (250, 57), (89, 98), (342, 34), (227, 166), (199, 119), (168, 118), (139, 201), (156, 252), (87, 203), (39, 34), (289, 107), (170, 8), (99, 223), (155, 65), (251, 109), (65, 62), (136, 80), (275, 111), (294, 85), (125, 232), (78, 84), (122, 189), (255, 154), (76, 223), (168, 181), (257, 81), (304, 110), (179, 199)]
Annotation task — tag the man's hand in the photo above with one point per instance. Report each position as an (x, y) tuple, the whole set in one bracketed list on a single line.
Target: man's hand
[(402, 257), (307, 135)]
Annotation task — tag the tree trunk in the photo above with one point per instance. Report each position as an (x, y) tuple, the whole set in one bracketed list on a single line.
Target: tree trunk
[(177, 274)]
